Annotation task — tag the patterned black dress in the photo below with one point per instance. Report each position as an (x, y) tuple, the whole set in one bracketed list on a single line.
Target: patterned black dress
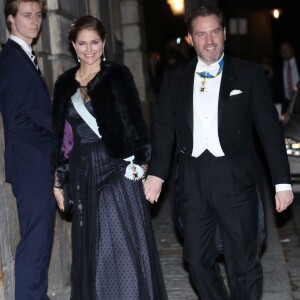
[(114, 249)]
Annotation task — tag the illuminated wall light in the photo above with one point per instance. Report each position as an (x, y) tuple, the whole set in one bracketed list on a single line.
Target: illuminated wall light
[(177, 6), (276, 13), (187, 40)]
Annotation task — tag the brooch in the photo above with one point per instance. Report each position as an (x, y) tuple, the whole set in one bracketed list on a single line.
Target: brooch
[(134, 172)]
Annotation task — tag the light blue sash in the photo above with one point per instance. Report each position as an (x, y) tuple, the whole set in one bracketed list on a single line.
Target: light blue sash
[(133, 171), (84, 113)]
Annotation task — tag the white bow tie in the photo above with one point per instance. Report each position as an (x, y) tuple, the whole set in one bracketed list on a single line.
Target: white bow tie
[(211, 69)]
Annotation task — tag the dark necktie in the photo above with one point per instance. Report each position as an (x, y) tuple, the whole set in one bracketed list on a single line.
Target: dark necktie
[(289, 79), (34, 59)]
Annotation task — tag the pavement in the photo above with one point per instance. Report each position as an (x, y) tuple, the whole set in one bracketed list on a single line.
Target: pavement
[(279, 274), (281, 258), (288, 225)]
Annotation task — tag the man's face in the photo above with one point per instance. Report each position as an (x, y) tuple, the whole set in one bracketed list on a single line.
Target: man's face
[(286, 51), (27, 22), (207, 37)]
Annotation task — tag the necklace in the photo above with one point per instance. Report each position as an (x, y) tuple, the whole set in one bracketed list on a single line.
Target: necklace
[(84, 94)]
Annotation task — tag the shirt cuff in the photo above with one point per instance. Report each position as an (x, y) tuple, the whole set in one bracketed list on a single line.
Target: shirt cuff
[(283, 187)]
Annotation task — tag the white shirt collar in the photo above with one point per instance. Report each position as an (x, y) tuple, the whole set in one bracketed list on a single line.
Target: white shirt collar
[(27, 48), (292, 61), (212, 69)]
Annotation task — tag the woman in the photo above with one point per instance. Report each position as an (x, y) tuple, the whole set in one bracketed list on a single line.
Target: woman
[(114, 251)]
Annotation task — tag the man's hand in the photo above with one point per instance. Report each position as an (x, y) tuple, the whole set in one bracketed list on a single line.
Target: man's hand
[(283, 199), (152, 188), (59, 196)]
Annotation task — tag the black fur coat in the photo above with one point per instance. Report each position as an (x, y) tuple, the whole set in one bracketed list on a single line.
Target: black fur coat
[(117, 109)]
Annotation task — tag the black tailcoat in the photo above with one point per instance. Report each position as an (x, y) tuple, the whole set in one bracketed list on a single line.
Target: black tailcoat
[(237, 115)]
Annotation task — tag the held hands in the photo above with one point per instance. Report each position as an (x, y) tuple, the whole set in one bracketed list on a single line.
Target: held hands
[(283, 199), (59, 196), (152, 188)]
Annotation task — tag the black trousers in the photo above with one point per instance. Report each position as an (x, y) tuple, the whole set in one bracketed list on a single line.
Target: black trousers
[(216, 191)]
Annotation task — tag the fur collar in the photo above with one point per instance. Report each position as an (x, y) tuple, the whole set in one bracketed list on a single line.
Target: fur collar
[(117, 109)]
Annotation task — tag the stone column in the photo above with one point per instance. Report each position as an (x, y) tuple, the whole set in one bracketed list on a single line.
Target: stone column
[(9, 233), (134, 45)]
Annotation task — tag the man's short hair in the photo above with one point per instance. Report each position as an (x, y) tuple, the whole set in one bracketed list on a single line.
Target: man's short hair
[(12, 6), (204, 11)]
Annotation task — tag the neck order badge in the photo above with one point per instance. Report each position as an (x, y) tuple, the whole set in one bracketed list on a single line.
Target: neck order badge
[(206, 75)]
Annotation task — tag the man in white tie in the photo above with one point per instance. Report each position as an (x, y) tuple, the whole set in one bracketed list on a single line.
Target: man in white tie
[(209, 106)]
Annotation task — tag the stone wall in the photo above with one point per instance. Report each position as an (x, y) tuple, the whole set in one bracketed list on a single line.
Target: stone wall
[(9, 233)]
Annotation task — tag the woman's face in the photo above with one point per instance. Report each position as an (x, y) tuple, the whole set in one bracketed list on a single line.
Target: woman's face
[(89, 46)]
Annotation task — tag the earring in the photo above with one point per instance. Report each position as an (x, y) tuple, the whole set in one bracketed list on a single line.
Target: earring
[(103, 55), (78, 59)]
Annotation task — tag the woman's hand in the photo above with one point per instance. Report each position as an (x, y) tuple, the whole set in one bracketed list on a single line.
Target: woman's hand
[(152, 188), (59, 196)]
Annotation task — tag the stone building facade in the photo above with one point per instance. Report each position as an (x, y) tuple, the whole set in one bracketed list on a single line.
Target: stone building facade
[(125, 43)]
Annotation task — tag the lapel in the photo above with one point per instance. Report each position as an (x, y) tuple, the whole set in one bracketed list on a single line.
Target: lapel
[(22, 53), (187, 89), (228, 80)]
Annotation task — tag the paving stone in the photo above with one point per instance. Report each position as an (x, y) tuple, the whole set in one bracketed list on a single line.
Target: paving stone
[(178, 285), (289, 229), (280, 260)]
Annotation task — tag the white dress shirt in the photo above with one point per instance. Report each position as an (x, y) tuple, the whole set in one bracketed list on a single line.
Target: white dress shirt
[(205, 131)]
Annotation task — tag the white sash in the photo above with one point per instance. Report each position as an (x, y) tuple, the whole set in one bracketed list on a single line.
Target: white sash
[(84, 113), (133, 172)]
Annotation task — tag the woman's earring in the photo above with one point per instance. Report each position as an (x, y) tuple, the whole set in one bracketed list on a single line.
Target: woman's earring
[(78, 59), (103, 55)]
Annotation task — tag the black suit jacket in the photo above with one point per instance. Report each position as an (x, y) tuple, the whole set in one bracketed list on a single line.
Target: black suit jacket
[(237, 114), (26, 111)]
